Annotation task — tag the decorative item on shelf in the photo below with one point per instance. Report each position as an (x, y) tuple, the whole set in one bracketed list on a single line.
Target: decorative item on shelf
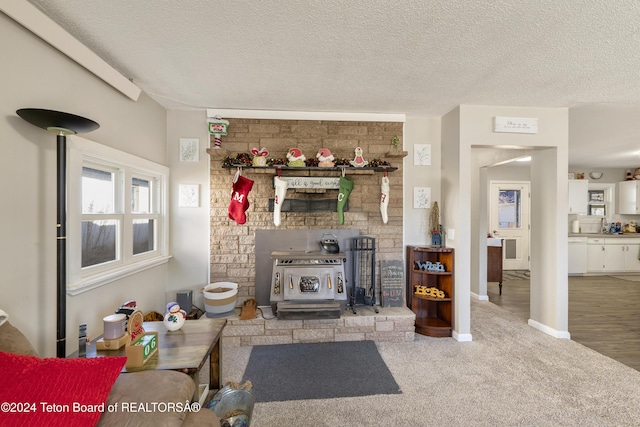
[(430, 266), (174, 317), (241, 159), (395, 143), (141, 345), (431, 292), (325, 158), (276, 162), (359, 160), (296, 158), (629, 176), (342, 162), (259, 156), (378, 163), (434, 225), (311, 162), (636, 173), (218, 127)]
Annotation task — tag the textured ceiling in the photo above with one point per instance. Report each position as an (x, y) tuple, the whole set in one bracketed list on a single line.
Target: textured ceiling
[(418, 57)]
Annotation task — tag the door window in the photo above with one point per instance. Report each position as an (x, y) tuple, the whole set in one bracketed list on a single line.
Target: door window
[(509, 209)]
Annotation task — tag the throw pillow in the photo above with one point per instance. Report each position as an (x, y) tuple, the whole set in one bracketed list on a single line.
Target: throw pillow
[(53, 391)]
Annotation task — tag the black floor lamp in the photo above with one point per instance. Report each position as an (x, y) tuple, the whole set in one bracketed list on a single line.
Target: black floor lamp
[(62, 124)]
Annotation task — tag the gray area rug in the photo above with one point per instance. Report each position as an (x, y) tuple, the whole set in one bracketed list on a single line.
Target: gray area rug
[(509, 375), (318, 371), (516, 275)]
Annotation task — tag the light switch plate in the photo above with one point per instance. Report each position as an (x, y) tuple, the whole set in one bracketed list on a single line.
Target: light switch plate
[(451, 233)]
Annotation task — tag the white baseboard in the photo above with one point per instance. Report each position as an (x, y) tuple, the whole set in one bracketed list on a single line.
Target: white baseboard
[(480, 297), (461, 337), (549, 331)]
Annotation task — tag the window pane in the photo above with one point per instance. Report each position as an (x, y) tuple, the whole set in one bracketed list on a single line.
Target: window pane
[(97, 191), (143, 235), (140, 196), (98, 242), (509, 209)]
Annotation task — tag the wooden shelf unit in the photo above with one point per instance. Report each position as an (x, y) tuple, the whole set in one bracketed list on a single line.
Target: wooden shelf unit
[(434, 316)]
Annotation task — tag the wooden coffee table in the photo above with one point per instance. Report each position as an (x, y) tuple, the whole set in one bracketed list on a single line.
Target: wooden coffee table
[(185, 350)]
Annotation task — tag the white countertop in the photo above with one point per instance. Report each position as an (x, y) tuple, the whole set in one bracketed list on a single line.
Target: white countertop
[(493, 241), (607, 235)]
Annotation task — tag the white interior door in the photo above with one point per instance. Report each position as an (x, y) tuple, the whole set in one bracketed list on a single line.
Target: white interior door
[(509, 206)]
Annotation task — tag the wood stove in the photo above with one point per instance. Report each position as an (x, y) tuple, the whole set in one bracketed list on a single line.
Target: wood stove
[(308, 285)]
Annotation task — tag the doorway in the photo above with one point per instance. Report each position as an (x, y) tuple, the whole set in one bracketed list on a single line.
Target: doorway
[(509, 220)]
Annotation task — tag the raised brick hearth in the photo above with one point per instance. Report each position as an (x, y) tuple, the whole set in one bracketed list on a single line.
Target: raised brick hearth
[(392, 324)]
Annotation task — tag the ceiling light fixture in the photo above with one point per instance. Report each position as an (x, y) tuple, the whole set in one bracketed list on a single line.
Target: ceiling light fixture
[(595, 175), (62, 124)]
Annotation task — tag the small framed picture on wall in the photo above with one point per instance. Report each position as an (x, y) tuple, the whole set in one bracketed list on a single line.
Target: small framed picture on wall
[(189, 195), (421, 197), (189, 149)]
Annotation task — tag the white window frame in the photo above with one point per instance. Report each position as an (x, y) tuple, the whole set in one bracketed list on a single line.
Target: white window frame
[(81, 152)]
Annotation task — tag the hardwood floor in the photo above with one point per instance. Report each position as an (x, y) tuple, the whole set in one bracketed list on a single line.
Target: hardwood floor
[(604, 313)]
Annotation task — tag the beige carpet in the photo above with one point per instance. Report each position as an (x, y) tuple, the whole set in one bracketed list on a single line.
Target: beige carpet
[(511, 374)]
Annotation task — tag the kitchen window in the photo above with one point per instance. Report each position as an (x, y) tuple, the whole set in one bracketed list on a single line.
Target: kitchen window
[(600, 199), (597, 204), (117, 219)]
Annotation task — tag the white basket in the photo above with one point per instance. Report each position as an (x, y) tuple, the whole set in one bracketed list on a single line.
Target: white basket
[(220, 298)]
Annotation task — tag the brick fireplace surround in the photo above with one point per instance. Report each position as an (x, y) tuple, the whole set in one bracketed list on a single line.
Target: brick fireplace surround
[(232, 245)]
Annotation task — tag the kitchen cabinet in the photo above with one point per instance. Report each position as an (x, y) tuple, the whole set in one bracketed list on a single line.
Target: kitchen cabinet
[(614, 257), (578, 196), (628, 197), (615, 254), (631, 261)]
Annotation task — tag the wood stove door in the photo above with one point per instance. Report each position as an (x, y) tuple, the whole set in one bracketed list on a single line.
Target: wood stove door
[(309, 283)]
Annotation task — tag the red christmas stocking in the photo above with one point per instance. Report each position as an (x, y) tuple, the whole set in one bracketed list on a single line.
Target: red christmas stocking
[(239, 201)]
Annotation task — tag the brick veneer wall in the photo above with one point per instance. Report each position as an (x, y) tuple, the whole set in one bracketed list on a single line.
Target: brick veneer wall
[(232, 245)]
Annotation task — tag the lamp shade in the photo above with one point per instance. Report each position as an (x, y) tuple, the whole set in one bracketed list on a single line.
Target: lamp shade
[(57, 121)]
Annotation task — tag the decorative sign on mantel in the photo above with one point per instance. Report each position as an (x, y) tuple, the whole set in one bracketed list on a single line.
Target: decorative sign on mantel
[(516, 124), (313, 182)]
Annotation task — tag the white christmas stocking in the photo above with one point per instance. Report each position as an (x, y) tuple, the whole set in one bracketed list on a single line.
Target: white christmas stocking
[(384, 198), (281, 192)]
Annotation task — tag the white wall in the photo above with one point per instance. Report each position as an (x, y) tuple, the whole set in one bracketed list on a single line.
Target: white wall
[(190, 230), (420, 130), (549, 149), (36, 75), (457, 216)]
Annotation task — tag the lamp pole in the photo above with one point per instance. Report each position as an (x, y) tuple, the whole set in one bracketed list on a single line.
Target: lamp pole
[(62, 124)]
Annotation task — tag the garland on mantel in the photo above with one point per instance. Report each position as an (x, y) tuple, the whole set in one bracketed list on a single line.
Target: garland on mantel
[(246, 160)]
